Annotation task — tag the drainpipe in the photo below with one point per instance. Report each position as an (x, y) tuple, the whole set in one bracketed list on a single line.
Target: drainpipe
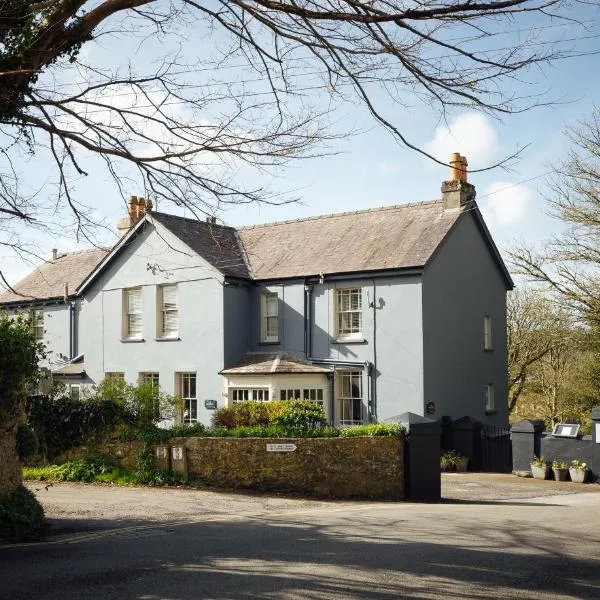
[(71, 306), (373, 370)]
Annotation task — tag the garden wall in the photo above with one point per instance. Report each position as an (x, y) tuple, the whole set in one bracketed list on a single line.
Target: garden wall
[(361, 467)]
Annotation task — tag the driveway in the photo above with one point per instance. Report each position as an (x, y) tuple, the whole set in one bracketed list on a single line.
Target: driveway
[(495, 536)]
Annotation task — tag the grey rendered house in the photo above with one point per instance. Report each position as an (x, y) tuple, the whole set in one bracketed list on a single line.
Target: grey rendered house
[(370, 313)]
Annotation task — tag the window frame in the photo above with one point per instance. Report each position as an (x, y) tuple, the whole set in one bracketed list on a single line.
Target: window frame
[(265, 336), (37, 324), (255, 392), (490, 404), (348, 332), (341, 399), (488, 340), (126, 327), (162, 312), (190, 402), (151, 377)]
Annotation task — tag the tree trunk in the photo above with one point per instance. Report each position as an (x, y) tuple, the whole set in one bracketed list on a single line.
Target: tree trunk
[(10, 465)]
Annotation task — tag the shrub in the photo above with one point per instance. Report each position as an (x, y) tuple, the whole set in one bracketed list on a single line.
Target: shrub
[(27, 444), (299, 415), (373, 430), (449, 460), (247, 414), (191, 430), (21, 515)]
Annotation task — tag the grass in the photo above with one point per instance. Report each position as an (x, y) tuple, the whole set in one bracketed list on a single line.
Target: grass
[(114, 475)]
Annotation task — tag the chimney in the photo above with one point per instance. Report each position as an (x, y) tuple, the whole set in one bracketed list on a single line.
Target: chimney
[(136, 209), (457, 192), (54, 253)]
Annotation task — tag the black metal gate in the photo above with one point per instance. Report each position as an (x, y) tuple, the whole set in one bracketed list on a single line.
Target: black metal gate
[(496, 449)]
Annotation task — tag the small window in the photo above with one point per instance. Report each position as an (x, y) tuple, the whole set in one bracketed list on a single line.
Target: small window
[(133, 318), (168, 318), (349, 398), (269, 310), (114, 376), (348, 312), (487, 333), (314, 394), (489, 397), (75, 391), (150, 378), (37, 324), (186, 389), (245, 394)]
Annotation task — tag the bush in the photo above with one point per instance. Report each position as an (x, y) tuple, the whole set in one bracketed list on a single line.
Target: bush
[(21, 515), (374, 430), (27, 444), (247, 414), (191, 430), (299, 415)]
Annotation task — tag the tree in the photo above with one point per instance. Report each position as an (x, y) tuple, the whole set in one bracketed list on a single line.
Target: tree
[(19, 356), (183, 128), (569, 263)]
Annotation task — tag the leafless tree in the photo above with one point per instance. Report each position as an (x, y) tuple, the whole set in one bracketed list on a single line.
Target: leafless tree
[(569, 263), (183, 128)]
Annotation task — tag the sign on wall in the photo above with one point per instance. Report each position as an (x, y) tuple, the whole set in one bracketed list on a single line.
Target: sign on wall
[(210, 404), (570, 430), (281, 447)]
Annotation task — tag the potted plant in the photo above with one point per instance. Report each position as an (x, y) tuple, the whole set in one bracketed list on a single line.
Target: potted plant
[(560, 470), (540, 469), (461, 462), (578, 471), (448, 461)]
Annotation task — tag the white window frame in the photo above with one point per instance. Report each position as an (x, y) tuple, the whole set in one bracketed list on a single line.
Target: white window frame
[(344, 310), (129, 314), (244, 394), (314, 394), (75, 391), (487, 333), (168, 312), (114, 376), (151, 377), (346, 404), (268, 316), (188, 392), (37, 324), (489, 398)]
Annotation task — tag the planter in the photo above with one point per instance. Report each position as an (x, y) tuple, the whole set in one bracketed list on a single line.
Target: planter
[(540, 472), (561, 474), (578, 475), (462, 465)]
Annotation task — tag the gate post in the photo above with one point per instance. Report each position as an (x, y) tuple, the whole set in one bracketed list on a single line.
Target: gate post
[(422, 476), (467, 440), (595, 443), (526, 439)]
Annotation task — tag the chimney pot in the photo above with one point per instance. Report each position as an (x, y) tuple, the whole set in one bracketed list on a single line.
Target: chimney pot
[(457, 192), (54, 253)]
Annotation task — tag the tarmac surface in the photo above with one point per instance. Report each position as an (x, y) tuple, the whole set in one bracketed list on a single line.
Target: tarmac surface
[(493, 536)]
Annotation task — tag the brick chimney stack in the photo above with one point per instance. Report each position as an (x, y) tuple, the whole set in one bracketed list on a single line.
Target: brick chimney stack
[(457, 192), (136, 209)]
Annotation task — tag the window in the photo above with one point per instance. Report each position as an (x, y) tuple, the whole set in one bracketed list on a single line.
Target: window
[(314, 394), (37, 324), (75, 391), (349, 397), (114, 378), (489, 397), (487, 332), (150, 378), (269, 328), (348, 312), (186, 388), (168, 318), (245, 394), (133, 321)]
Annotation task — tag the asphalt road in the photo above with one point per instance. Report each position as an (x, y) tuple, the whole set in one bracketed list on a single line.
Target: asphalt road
[(524, 541)]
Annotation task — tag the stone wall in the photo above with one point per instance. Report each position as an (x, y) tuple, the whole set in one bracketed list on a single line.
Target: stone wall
[(362, 467)]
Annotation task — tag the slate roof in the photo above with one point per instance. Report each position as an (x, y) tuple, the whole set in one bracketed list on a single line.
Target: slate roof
[(217, 244), (48, 280), (268, 364), (393, 237)]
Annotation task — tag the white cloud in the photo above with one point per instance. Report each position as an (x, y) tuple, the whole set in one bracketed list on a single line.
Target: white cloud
[(504, 204), (471, 134)]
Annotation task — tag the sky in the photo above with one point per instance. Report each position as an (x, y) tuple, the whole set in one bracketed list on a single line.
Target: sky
[(370, 169)]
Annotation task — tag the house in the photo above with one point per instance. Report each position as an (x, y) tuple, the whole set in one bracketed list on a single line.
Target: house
[(369, 313)]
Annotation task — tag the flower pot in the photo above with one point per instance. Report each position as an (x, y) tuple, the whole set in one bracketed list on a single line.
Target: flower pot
[(578, 475), (540, 472), (560, 474), (462, 464)]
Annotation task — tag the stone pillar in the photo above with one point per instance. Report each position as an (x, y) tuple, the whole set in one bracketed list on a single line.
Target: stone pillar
[(526, 439), (162, 457), (466, 438), (595, 476), (179, 459), (422, 477)]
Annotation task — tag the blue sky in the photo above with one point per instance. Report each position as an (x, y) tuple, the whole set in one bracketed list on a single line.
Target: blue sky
[(370, 169)]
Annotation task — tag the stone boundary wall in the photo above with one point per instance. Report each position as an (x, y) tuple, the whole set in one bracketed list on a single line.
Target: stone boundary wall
[(361, 467)]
